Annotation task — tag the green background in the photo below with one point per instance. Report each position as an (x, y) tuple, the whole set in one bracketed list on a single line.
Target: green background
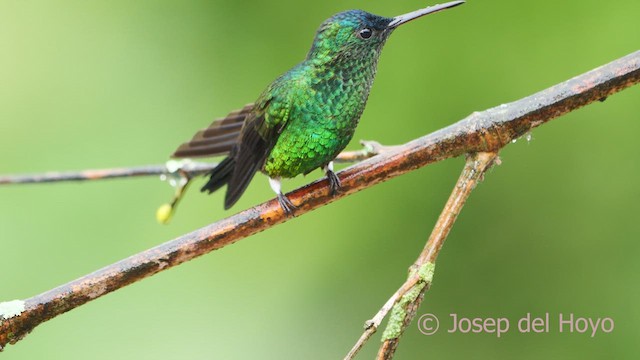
[(117, 83)]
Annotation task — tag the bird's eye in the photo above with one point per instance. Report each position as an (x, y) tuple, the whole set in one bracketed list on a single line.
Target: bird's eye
[(365, 33)]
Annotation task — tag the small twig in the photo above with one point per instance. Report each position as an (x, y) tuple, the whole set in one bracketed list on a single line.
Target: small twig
[(191, 168), (488, 131), (179, 174), (101, 174), (372, 325), (371, 148), (405, 309)]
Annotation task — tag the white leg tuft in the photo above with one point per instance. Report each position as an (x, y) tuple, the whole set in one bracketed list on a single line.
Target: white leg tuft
[(328, 168), (275, 185)]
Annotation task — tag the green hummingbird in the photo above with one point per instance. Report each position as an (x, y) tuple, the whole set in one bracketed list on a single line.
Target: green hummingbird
[(307, 116)]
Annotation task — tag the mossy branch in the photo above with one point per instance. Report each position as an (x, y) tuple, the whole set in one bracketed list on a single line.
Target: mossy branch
[(423, 269), (404, 303)]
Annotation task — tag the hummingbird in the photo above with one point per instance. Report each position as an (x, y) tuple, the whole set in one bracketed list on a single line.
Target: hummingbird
[(307, 116)]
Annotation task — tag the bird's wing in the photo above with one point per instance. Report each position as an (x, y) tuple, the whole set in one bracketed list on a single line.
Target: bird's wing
[(258, 136), (218, 138)]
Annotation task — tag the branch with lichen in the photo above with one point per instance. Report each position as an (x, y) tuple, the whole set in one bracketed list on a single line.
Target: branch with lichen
[(481, 132), (404, 303), (423, 269)]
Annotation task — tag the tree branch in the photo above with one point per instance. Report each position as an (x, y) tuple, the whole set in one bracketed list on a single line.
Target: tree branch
[(421, 272), (193, 168), (486, 131), (371, 326), (190, 168), (406, 300)]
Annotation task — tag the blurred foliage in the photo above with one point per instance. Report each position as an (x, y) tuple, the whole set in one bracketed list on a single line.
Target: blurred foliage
[(115, 83)]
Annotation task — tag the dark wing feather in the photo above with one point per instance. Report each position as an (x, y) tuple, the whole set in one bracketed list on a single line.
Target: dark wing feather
[(217, 139), (258, 137), (247, 135), (220, 175), (251, 153)]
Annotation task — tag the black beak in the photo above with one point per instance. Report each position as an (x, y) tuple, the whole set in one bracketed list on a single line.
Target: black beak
[(402, 19)]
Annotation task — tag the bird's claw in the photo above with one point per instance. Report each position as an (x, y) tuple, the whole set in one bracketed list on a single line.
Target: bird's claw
[(286, 204), (334, 182)]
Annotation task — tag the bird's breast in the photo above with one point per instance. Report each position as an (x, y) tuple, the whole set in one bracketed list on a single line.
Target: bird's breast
[(326, 108)]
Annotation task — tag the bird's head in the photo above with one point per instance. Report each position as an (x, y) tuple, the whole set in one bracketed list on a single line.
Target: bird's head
[(359, 34)]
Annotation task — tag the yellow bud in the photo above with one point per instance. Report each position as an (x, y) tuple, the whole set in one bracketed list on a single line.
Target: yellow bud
[(163, 214)]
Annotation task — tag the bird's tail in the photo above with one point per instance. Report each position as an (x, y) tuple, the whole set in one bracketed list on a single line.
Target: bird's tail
[(220, 175), (236, 179)]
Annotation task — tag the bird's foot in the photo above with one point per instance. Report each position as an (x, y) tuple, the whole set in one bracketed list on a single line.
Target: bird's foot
[(283, 200), (286, 204), (334, 182)]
